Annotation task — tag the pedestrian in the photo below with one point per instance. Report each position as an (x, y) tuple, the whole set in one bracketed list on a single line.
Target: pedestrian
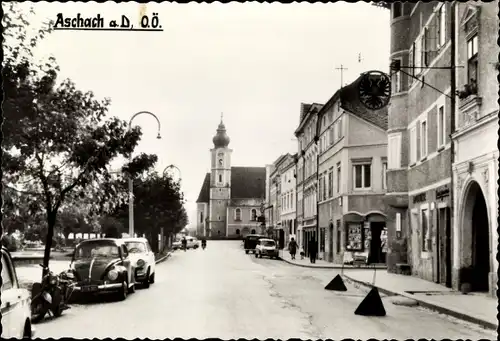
[(313, 249), (292, 247)]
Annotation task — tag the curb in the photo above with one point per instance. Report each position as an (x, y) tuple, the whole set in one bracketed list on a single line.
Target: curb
[(164, 258), (429, 305), (330, 266)]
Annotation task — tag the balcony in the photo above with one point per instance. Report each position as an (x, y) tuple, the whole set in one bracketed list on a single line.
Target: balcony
[(469, 105)]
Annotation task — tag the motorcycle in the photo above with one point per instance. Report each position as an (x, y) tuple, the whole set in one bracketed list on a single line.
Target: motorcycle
[(52, 294)]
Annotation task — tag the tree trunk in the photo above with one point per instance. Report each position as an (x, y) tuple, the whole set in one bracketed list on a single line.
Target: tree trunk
[(51, 222)]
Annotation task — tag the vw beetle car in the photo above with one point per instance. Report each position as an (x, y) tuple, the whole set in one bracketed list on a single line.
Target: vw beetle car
[(16, 307), (143, 257), (103, 265), (266, 247)]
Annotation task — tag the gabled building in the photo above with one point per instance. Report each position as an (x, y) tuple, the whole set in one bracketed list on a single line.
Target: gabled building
[(475, 168), (230, 198), (352, 183), (306, 174)]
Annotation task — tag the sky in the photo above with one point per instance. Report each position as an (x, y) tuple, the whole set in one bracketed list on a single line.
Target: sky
[(254, 62)]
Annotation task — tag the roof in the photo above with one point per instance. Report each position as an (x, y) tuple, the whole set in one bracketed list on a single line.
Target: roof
[(349, 100), (204, 195), (313, 109), (246, 183)]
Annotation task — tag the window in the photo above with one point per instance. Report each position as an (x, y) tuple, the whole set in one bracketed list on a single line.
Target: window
[(394, 150), (237, 214), (441, 126), (330, 183), (396, 9), (425, 229), (425, 46), (322, 237), (362, 176), (7, 280), (396, 80), (418, 56), (411, 60), (339, 128), (423, 139), (201, 217), (237, 231), (254, 214), (384, 175), (338, 177), (413, 145), (441, 26), (472, 50), (332, 137), (220, 177)]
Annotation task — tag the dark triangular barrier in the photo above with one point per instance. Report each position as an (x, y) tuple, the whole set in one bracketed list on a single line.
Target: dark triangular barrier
[(371, 305), (336, 284)]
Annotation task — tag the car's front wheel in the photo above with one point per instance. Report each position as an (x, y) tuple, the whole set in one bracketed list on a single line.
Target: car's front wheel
[(152, 278)]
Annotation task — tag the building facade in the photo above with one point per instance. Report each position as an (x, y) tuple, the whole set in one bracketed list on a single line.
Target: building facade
[(475, 168), (287, 197), (230, 199), (419, 146), (307, 172), (352, 183)]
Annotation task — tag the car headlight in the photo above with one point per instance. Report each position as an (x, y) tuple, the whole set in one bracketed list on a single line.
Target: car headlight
[(140, 263), (112, 274)]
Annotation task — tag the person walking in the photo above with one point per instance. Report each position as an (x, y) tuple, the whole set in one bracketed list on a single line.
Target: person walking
[(313, 250), (292, 247)]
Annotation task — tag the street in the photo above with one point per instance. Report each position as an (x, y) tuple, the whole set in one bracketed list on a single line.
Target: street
[(222, 292)]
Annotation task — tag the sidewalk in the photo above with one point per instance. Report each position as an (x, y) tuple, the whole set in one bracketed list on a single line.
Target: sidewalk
[(322, 264), (475, 307)]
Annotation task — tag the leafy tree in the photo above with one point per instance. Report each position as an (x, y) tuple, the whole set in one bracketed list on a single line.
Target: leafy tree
[(158, 205), (56, 138), (112, 227)]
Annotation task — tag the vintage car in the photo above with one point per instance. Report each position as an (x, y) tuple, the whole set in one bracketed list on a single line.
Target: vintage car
[(251, 241), (144, 259), (266, 247), (16, 307), (103, 265)]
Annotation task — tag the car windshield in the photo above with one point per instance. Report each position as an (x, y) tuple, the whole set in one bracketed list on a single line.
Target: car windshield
[(267, 243), (136, 247), (96, 249)]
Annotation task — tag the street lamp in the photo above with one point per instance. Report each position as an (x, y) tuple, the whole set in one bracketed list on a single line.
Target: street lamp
[(131, 181), (173, 166)]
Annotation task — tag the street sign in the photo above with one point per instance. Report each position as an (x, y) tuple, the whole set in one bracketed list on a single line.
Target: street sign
[(374, 90)]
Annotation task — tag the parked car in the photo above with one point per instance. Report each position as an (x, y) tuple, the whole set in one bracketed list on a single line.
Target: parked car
[(250, 242), (103, 265), (192, 243), (16, 303), (144, 258), (177, 245), (266, 247)]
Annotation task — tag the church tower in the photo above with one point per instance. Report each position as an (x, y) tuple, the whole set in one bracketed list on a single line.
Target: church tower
[(220, 182)]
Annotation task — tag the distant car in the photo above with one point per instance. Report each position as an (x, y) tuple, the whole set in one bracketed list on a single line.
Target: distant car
[(144, 258), (103, 265), (266, 247), (16, 303), (192, 243), (250, 242)]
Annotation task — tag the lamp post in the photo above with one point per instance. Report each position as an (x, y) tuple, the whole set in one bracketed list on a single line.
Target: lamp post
[(131, 181), (162, 233)]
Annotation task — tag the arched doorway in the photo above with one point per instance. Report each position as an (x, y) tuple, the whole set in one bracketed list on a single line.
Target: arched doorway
[(476, 237), (253, 231)]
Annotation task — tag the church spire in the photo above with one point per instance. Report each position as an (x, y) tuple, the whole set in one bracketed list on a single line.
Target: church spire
[(221, 140)]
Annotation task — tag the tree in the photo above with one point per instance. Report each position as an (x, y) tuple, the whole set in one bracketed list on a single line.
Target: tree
[(112, 227), (57, 138), (158, 205)]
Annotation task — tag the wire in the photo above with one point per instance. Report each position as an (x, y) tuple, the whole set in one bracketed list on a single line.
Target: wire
[(423, 82)]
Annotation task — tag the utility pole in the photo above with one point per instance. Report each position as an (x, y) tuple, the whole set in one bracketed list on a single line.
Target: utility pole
[(341, 68)]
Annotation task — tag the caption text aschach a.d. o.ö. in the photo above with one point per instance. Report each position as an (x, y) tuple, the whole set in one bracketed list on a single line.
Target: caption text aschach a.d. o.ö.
[(146, 23)]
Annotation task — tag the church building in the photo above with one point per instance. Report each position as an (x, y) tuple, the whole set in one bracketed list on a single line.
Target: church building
[(230, 198)]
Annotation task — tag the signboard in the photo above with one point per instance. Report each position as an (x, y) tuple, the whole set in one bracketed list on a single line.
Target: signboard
[(354, 237), (374, 90)]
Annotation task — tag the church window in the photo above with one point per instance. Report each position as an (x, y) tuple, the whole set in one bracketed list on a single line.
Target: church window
[(237, 214), (220, 177), (254, 214), (201, 217)]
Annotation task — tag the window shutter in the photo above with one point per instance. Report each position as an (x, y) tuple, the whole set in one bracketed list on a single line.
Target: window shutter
[(418, 141)]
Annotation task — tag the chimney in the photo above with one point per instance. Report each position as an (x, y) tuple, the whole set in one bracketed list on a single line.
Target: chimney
[(304, 108)]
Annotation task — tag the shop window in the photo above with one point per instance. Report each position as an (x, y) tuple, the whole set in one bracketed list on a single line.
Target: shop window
[(424, 221)]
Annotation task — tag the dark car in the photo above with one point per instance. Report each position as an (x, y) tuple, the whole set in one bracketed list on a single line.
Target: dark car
[(250, 242), (103, 265)]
